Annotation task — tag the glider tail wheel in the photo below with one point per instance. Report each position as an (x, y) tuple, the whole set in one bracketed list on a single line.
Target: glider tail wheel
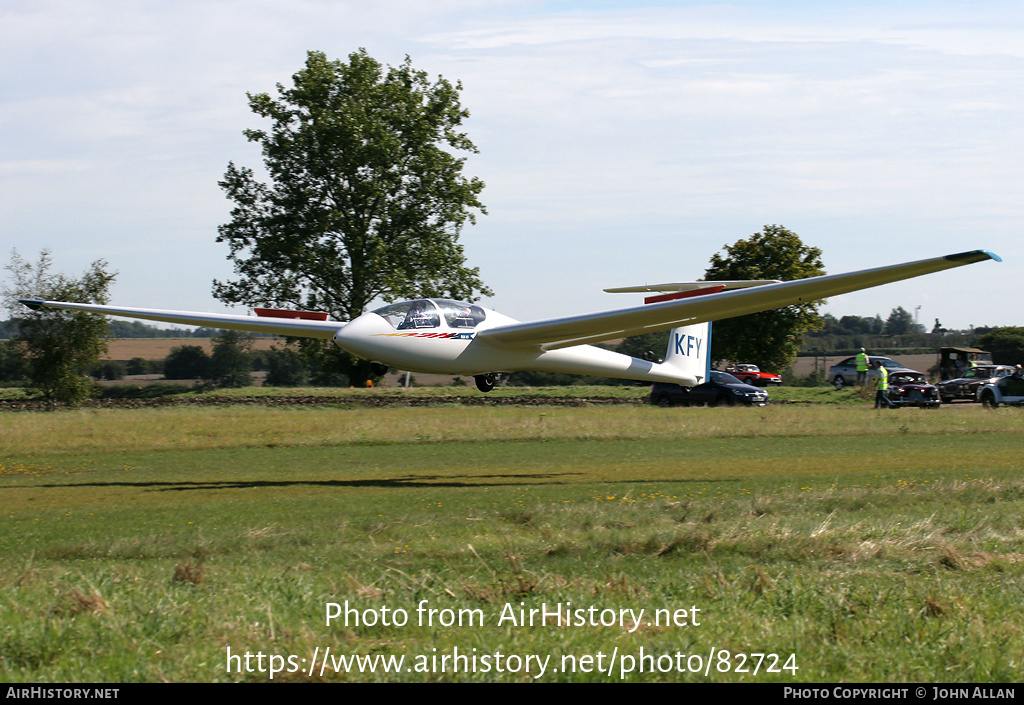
[(485, 383)]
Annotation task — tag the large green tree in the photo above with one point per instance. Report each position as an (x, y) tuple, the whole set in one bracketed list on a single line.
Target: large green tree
[(58, 345), (366, 199), (770, 339)]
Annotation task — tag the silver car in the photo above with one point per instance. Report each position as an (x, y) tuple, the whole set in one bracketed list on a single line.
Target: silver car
[(845, 373)]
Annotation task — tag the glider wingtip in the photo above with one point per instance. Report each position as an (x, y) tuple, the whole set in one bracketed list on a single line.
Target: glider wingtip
[(973, 256), (34, 304)]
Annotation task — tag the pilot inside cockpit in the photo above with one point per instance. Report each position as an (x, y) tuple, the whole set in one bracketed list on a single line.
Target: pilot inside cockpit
[(459, 314), (422, 314)]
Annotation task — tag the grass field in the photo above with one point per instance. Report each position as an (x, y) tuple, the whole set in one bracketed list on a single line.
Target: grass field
[(790, 543)]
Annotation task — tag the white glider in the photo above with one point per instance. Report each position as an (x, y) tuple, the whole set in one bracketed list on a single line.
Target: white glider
[(442, 336)]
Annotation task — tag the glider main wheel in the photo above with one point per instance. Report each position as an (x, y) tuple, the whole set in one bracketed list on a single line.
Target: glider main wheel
[(664, 401), (378, 368), (485, 383)]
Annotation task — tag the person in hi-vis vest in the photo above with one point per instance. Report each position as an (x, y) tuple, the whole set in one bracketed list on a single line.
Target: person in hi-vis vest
[(862, 367), (882, 387)]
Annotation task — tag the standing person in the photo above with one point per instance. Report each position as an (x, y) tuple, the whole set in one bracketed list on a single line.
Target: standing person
[(862, 367), (882, 386)]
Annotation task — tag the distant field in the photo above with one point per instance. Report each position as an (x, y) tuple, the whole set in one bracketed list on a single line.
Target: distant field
[(124, 349), (159, 348), (787, 544)]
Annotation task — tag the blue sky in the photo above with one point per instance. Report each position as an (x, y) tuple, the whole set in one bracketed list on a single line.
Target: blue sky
[(621, 142)]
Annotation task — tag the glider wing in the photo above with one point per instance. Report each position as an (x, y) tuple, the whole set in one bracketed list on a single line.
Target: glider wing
[(296, 327), (594, 327)]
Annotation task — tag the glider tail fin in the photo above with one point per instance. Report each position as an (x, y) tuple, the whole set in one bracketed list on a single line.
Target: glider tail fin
[(689, 350)]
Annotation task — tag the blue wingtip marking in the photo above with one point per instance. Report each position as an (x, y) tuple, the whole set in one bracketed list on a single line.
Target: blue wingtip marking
[(973, 256)]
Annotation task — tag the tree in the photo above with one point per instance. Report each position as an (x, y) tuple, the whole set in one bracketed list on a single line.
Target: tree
[(285, 368), (108, 369), (59, 345), (137, 366), (1006, 344), (12, 361), (770, 339), (366, 199), (877, 325), (857, 325), (231, 363), (187, 362), (901, 322)]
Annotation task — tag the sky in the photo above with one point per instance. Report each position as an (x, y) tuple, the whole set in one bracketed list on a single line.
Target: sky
[(622, 143)]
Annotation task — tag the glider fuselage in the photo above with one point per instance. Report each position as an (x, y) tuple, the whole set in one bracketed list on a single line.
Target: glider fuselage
[(440, 336)]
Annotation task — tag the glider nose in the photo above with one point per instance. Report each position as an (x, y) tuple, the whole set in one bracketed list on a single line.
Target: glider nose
[(354, 336), (339, 335)]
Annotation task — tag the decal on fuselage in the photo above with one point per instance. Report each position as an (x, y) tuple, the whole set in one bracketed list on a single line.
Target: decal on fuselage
[(415, 334)]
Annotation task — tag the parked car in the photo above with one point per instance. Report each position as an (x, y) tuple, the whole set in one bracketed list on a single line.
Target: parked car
[(966, 387), (912, 389), (844, 373), (721, 390), (752, 374), (1005, 390)]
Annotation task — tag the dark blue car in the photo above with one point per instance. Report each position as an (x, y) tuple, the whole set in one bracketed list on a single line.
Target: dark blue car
[(721, 390)]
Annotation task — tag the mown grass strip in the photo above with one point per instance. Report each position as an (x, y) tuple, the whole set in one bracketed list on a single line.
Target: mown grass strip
[(891, 552)]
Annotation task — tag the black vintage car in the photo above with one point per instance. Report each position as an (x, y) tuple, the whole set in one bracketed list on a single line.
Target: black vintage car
[(721, 390), (912, 389), (966, 387)]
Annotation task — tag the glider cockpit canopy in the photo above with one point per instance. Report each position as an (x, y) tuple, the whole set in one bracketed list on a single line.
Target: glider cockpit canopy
[(429, 313)]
